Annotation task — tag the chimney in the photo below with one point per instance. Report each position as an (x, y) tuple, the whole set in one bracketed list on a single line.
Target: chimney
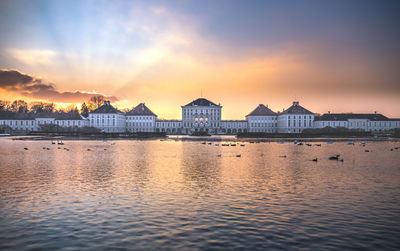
[(295, 103), (375, 112), (329, 112), (105, 102)]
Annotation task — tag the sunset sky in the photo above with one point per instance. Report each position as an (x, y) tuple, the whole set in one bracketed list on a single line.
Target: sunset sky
[(339, 56)]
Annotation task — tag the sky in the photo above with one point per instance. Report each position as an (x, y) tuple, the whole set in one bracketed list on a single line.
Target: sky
[(338, 56)]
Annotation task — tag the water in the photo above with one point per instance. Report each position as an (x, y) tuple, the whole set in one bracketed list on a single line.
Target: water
[(182, 195)]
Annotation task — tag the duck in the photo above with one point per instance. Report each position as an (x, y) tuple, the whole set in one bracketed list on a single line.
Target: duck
[(283, 156), (25, 148), (315, 160), (238, 155), (219, 155), (336, 157), (318, 144)]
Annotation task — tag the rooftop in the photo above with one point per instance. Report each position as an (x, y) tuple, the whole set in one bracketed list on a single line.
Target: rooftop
[(262, 110), (41, 115), (347, 116), (106, 108), (17, 116), (201, 102), (168, 120), (296, 109), (141, 109)]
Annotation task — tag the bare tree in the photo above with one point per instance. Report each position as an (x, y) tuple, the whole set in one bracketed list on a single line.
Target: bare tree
[(5, 105), (19, 106), (84, 110), (71, 108), (42, 107), (94, 102)]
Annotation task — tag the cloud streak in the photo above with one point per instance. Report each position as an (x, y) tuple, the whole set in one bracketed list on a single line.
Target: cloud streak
[(32, 57), (34, 87)]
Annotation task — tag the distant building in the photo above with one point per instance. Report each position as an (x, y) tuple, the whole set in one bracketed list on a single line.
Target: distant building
[(169, 126), (32, 122), (262, 119), (200, 115), (108, 119), (295, 119), (233, 126), (140, 119), (373, 122)]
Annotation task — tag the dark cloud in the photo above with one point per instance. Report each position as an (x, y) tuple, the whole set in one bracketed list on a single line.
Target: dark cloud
[(33, 87), (13, 78)]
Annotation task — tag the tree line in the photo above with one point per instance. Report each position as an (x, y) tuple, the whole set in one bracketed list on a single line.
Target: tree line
[(21, 106)]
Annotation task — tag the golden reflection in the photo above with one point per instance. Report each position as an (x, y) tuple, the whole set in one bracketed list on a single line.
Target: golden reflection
[(201, 166)]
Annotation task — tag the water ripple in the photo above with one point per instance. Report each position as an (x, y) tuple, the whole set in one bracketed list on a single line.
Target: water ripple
[(186, 195)]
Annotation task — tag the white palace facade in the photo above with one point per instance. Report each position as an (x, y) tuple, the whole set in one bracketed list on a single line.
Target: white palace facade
[(201, 116)]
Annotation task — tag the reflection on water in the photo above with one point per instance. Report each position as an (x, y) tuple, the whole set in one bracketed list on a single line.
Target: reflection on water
[(188, 195)]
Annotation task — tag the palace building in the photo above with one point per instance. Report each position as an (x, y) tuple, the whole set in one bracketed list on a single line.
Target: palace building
[(295, 119), (199, 116)]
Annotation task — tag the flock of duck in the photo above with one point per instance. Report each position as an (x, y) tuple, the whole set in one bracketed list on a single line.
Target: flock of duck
[(336, 157), (64, 148)]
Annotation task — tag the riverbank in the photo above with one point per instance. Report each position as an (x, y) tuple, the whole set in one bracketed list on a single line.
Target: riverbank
[(103, 136), (214, 138)]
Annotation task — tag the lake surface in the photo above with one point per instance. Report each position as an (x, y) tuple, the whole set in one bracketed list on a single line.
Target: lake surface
[(184, 195)]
